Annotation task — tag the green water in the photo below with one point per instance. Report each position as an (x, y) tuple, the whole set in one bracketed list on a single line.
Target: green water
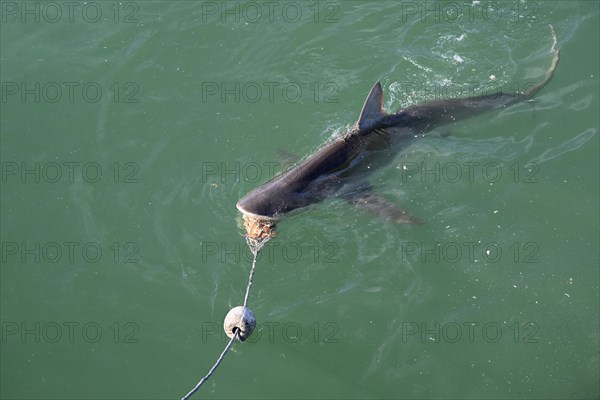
[(130, 130)]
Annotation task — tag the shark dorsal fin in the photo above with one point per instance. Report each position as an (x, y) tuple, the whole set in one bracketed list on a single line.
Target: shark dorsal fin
[(372, 110)]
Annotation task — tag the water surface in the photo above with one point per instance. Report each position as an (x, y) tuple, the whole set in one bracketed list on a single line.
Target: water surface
[(130, 130)]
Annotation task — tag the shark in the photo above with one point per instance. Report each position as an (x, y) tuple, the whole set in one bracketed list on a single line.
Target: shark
[(341, 167)]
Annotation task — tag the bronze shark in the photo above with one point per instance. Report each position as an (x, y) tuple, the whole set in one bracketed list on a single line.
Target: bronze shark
[(342, 166)]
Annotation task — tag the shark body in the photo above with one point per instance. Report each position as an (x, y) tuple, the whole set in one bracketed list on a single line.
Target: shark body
[(341, 167)]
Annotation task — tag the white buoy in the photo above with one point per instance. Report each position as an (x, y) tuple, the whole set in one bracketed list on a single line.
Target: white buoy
[(239, 319)]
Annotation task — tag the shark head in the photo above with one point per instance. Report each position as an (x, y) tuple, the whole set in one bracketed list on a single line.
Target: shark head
[(259, 213), (266, 202)]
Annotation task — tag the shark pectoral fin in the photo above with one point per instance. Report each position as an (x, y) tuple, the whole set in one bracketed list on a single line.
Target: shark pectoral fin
[(374, 203)]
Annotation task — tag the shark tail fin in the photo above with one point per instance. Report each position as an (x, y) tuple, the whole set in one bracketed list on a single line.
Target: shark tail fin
[(528, 94)]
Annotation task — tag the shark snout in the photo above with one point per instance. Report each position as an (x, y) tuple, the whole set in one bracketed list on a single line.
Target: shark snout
[(251, 212)]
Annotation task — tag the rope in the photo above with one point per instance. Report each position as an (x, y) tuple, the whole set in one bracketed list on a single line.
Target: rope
[(195, 389), (255, 247)]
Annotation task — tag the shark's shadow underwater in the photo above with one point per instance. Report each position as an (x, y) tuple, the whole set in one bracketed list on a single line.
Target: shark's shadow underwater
[(341, 167)]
